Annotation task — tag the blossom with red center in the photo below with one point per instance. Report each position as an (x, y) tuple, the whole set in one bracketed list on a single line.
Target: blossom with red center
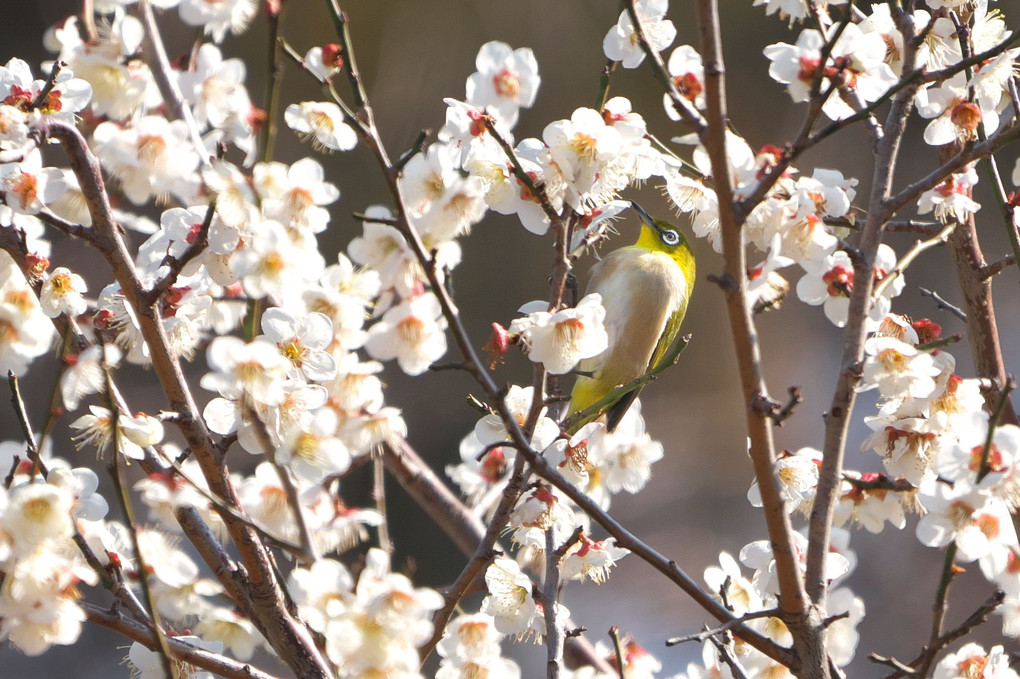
[(506, 81)]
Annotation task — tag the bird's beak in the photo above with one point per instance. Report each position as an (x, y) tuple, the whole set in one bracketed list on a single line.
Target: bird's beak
[(645, 217)]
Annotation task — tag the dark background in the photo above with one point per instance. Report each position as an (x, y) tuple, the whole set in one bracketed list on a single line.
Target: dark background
[(412, 54)]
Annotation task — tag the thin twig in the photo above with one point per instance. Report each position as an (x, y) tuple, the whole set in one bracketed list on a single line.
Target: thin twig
[(906, 260), (725, 627), (18, 403), (793, 598), (550, 590), (943, 304), (167, 83)]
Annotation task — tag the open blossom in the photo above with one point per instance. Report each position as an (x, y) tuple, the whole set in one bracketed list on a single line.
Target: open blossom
[(976, 521), (295, 195), (28, 187), (897, 369), (19, 89), (830, 282), (218, 17), (470, 648), (798, 478), (323, 123), (582, 148), (506, 81), (131, 433), (758, 555), (62, 293), (559, 340), (152, 157), (688, 74), (509, 600), (621, 42), (952, 199), (302, 340), (870, 508), (411, 332), (591, 559)]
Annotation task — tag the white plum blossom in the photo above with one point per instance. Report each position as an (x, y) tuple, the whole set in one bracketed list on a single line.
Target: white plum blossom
[(62, 293), (411, 332), (506, 80), (758, 555), (217, 18), (19, 89), (897, 368), (470, 648), (582, 148), (323, 124), (688, 74), (302, 340), (856, 63), (798, 478), (509, 600), (829, 282), (28, 187), (560, 340), (152, 157), (951, 200), (971, 661), (621, 42), (591, 559), (978, 523)]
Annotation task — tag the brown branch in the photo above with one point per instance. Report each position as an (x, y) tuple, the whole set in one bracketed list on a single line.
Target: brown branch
[(793, 599)]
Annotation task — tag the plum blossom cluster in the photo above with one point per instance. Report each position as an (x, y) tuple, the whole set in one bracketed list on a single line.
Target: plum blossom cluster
[(372, 627), (932, 431), (40, 567)]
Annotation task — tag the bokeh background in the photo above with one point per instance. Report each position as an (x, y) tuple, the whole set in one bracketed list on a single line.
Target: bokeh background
[(413, 54)]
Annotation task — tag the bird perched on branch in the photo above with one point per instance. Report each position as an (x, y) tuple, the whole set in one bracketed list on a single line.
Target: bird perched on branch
[(645, 289)]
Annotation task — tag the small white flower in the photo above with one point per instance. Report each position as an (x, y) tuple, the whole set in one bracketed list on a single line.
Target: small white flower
[(509, 600), (302, 340), (411, 332), (559, 340), (62, 293), (323, 123), (506, 80), (621, 42)]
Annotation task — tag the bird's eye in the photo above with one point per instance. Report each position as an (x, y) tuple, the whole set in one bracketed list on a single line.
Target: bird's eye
[(670, 237)]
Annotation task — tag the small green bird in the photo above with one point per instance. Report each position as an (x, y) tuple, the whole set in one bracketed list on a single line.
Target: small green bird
[(645, 289)]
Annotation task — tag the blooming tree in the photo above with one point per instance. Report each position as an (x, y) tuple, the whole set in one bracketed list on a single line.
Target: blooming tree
[(235, 550)]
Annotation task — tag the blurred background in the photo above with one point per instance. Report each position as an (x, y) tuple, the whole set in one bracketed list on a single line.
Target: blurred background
[(413, 54)]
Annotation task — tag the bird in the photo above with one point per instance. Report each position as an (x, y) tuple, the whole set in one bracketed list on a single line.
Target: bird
[(645, 290)]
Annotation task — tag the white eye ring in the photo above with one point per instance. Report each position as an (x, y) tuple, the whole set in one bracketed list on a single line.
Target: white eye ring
[(670, 237)]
